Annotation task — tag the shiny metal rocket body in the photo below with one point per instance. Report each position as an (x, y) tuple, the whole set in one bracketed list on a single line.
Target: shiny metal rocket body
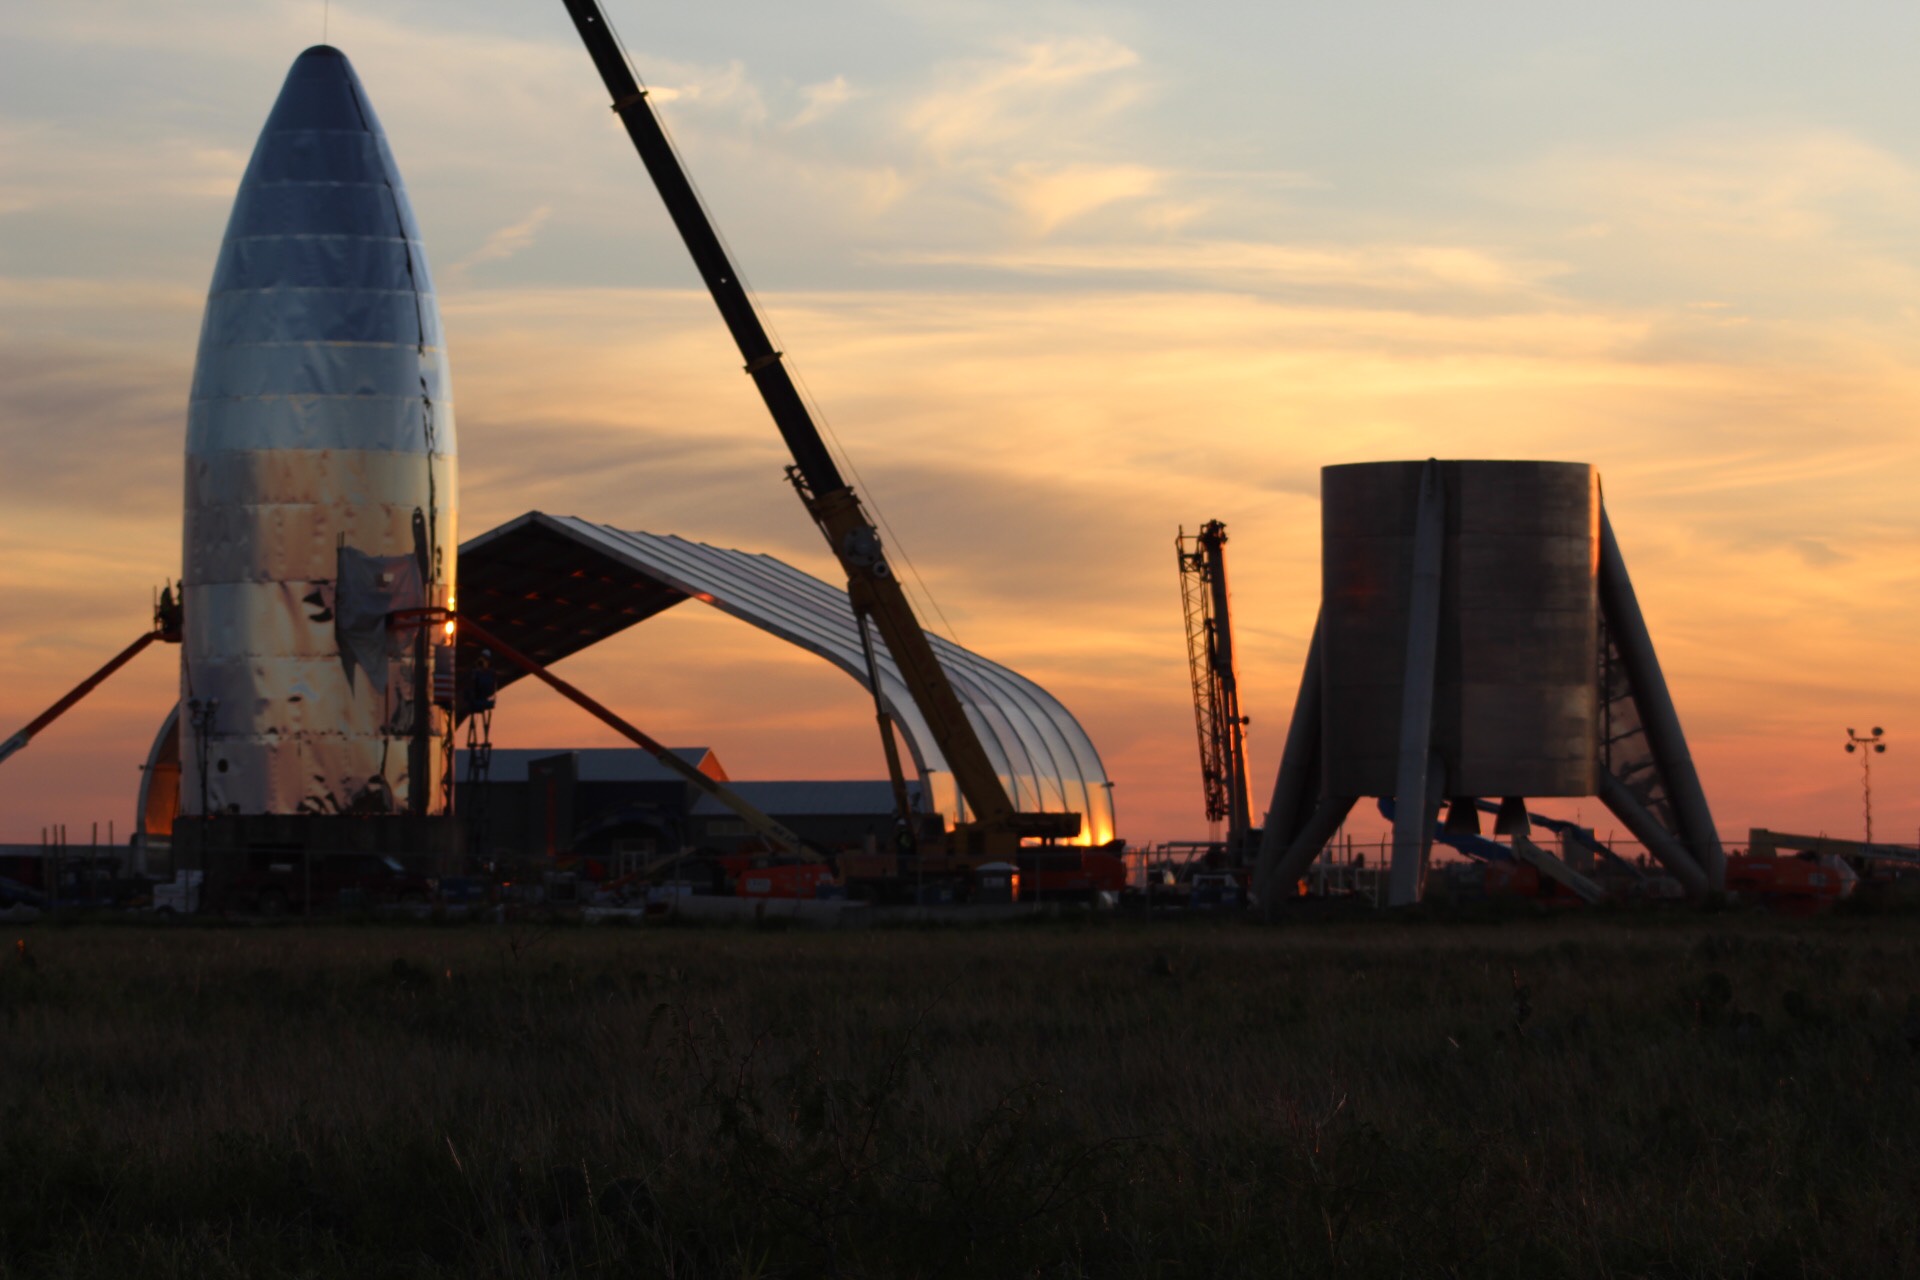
[(320, 454)]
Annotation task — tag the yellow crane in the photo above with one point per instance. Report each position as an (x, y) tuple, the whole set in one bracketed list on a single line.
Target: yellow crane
[(994, 828)]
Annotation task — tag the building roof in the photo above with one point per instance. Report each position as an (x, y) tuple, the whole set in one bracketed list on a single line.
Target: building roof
[(553, 585), (809, 799), (595, 764)]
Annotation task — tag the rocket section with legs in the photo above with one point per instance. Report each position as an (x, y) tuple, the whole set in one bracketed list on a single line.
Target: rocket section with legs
[(320, 495), (1478, 637)]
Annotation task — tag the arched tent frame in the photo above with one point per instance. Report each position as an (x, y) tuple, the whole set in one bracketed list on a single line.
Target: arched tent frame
[(553, 585)]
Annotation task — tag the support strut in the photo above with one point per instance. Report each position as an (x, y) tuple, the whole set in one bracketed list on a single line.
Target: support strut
[(753, 817)]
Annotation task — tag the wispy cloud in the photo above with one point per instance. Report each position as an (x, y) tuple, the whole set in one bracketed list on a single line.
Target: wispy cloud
[(1051, 196), (821, 100), (1807, 221), (1385, 268), (507, 241), (1776, 185), (1045, 87), (727, 88), (48, 167)]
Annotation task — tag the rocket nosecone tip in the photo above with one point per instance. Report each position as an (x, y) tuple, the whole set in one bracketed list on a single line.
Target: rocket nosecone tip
[(320, 424), (322, 301), (321, 91)]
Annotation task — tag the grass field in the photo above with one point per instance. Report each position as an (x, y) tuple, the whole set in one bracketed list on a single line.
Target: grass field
[(1683, 1095)]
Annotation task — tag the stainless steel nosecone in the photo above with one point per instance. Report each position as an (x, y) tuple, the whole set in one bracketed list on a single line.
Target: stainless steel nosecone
[(320, 481)]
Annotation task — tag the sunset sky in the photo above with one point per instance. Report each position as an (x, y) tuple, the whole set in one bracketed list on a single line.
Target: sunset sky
[(1063, 278)]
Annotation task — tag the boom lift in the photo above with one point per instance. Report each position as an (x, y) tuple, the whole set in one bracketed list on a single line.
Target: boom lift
[(166, 628), (990, 828), (1216, 686)]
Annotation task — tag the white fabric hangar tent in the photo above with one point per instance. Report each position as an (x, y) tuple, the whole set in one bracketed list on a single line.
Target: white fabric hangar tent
[(554, 585)]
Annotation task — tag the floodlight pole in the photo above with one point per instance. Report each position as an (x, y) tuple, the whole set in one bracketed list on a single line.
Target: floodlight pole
[(1869, 745)]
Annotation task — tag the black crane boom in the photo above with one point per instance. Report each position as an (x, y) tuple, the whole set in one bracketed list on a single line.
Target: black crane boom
[(709, 256), (874, 591)]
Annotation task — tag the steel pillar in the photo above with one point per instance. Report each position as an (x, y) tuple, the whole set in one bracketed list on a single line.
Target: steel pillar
[(1413, 820), (1657, 716), (1294, 787), (1659, 841), (1327, 816)]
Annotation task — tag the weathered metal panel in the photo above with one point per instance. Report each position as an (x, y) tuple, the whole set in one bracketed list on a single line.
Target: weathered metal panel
[(1516, 698), (321, 417)]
